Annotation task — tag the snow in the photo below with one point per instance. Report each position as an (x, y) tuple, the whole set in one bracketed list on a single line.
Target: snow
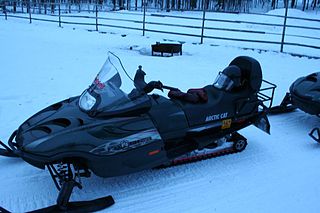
[(42, 64)]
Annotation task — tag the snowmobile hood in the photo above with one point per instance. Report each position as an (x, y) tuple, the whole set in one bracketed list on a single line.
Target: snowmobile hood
[(64, 127), (64, 123), (57, 118), (307, 87)]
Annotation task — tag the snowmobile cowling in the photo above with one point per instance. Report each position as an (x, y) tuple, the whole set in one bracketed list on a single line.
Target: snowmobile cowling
[(305, 93)]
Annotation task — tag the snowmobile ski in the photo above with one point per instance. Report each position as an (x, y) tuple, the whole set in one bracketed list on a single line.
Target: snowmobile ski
[(2, 210), (7, 152), (315, 134)]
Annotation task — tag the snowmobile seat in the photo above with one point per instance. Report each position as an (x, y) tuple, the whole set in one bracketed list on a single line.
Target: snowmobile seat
[(191, 96), (250, 71)]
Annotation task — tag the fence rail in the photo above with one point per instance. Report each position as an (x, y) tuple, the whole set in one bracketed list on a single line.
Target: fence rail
[(202, 27)]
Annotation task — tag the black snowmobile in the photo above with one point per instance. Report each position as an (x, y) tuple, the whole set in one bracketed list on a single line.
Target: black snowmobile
[(110, 132), (304, 94)]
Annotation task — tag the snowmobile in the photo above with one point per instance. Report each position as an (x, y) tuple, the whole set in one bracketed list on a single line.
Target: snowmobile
[(304, 94), (110, 132)]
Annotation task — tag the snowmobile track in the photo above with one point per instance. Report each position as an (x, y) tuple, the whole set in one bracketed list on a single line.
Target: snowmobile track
[(196, 158)]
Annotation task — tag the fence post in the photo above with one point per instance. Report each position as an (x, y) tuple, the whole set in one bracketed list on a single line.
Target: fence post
[(284, 26), (59, 10), (97, 15), (4, 10), (144, 17), (14, 7), (203, 20), (29, 8)]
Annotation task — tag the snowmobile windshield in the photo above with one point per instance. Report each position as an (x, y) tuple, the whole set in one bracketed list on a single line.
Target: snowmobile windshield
[(223, 82), (105, 91)]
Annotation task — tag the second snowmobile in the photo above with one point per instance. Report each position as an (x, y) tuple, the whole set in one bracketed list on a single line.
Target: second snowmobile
[(304, 94), (111, 132)]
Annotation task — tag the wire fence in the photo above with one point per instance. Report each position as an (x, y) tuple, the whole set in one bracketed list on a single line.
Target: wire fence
[(268, 29)]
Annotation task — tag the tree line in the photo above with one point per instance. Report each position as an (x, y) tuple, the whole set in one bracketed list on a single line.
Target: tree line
[(169, 5)]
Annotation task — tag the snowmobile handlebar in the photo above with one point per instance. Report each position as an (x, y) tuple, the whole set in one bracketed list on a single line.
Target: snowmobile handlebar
[(158, 85), (141, 85), (153, 85), (170, 88)]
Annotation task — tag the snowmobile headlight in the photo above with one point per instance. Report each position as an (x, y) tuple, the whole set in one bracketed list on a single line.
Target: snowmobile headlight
[(87, 101)]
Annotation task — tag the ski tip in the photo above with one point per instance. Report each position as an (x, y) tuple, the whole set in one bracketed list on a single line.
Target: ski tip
[(3, 210), (6, 153), (315, 134)]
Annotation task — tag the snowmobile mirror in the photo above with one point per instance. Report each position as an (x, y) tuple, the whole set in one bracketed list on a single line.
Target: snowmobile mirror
[(139, 81)]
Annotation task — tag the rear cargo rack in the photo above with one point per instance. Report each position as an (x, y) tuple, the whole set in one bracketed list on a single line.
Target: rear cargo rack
[(266, 93)]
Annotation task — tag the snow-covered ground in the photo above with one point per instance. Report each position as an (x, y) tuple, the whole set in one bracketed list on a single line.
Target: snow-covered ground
[(42, 64)]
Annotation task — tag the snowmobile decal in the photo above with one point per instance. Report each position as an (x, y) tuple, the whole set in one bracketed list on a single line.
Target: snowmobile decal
[(154, 152), (226, 124), (127, 143), (99, 84), (216, 117)]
